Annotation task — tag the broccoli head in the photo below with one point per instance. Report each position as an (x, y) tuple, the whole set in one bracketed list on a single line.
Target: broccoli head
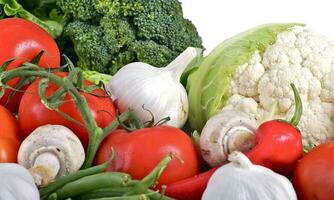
[(108, 34)]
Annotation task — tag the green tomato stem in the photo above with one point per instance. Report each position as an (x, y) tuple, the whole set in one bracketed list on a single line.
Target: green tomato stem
[(96, 134), (298, 107)]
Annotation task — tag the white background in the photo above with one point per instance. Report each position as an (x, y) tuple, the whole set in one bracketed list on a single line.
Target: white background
[(217, 20)]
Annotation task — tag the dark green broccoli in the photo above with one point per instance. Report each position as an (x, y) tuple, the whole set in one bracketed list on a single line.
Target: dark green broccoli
[(108, 34), (92, 52), (78, 9)]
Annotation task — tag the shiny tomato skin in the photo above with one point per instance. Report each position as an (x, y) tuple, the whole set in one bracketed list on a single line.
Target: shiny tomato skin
[(138, 152), (23, 40), (33, 113), (9, 143), (8, 150), (314, 175)]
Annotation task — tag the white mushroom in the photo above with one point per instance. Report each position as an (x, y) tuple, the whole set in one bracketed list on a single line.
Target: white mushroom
[(51, 151), (228, 131)]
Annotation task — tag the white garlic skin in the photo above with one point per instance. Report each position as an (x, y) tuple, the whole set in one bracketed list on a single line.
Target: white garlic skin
[(241, 180), (138, 84), (16, 183)]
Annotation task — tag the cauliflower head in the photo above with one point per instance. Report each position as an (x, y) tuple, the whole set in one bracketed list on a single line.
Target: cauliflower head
[(298, 56), (252, 72)]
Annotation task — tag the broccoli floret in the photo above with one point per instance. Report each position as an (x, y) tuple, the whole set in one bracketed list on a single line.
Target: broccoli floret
[(89, 46), (152, 53), (78, 9), (118, 33), (151, 31)]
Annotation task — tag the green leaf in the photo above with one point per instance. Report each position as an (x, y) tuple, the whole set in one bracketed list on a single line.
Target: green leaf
[(13, 8)]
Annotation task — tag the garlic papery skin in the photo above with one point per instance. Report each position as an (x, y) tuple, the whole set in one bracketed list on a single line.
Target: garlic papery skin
[(241, 180), (158, 90), (228, 131), (16, 183)]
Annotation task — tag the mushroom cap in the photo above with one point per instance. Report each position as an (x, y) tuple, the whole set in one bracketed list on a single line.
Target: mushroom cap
[(225, 132), (55, 139)]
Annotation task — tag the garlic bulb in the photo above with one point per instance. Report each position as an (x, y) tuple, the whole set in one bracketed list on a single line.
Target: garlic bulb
[(158, 90), (241, 180), (229, 130), (16, 183)]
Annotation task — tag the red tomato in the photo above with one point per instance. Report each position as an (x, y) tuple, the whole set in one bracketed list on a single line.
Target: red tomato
[(9, 143), (138, 152), (23, 40), (33, 113), (314, 174)]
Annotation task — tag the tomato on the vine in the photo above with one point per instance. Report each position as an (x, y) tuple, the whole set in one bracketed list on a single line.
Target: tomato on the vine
[(22, 40), (9, 143), (138, 152), (314, 175), (33, 113)]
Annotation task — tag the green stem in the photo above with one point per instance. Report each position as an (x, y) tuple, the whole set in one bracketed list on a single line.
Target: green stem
[(298, 107), (152, 178), (96, 134), (114, 124)]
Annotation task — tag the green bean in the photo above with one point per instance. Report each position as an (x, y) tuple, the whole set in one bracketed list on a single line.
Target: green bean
[(105, 192), (114, 192), (46, 191), (134, 197), (152, 178), (93, 182)]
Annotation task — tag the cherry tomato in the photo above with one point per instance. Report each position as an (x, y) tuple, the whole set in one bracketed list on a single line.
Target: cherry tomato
[(138, 152), (314, 175), (33, 113), (23, 40), (9, 143)]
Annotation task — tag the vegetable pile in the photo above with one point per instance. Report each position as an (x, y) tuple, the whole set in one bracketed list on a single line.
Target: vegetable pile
[(156, 119)]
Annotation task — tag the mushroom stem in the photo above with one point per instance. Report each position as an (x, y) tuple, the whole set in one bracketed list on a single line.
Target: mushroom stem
[(242, 139), (45, 168)]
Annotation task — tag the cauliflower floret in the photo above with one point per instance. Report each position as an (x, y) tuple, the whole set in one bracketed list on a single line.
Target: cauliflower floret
[(298, 56), (248, 105), (316, 124), (274, 86), (327, 93), (247, 76)]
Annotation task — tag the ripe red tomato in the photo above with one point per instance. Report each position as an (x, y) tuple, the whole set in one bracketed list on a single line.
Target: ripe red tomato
[(138, 152), (33, 113), (23, 40), (314, 174), (9, 143)]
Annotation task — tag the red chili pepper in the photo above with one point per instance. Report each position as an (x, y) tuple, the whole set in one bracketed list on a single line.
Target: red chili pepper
[(190, 188), (279, 143)]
